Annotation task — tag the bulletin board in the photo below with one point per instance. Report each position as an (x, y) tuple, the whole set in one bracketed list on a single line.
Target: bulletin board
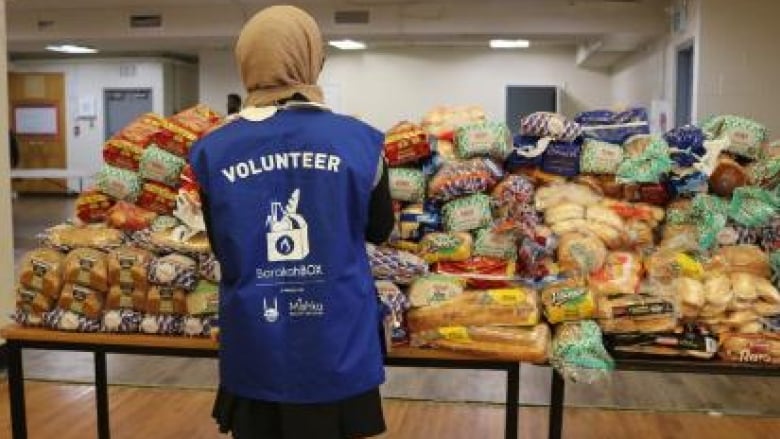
[(36, 120)]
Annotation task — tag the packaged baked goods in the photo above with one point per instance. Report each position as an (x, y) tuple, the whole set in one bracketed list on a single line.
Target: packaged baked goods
[(128, 266), (578, 353), (141, 131), (709, 215), (496, 244), (126, 216), (750, 348), (406, 184), (487, 138), (180, 131), (439, 246), (513, 189), (526, 344), (93, 206), (395, 265), (765, 172), (442, 121), (461, 178), (33, 301), (692, 341), (81, 300), (395, 304), (87, 267), (552, 125), (406, 143), (567, 300), (467, 213), (127, 296), (480, 271), (743, 136), (752, 206), (552, 195), (161, 166), (727, 176), (163, 300), (581, 252), (503, 307), (600, 157), (690, 294), (41, 270), (664, 265), (122, 321), (175, 270), (209, 268), (562, 158), (204, 300), (620, 274), (122, 153), (165, 241), (434, 288), (636, 313), (157, 197), (66, 237), (167, 324), (744, 258), (417, 220), (614, 127), (118, 183), (67, 320), (646, 166)]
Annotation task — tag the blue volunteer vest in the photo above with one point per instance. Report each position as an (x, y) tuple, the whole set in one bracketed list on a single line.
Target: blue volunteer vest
[(288, 200)]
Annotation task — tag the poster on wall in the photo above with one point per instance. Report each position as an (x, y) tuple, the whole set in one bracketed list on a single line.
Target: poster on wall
[(661, 119), (36, 120)]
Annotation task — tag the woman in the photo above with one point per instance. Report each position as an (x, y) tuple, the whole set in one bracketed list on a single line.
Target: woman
[(291, 192)]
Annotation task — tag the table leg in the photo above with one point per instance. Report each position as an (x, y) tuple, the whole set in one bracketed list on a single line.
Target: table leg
[(101, 395), (16, 390), (556, 406), (512, 400)]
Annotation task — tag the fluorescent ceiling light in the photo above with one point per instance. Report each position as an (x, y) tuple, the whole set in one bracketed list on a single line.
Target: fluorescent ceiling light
[(70, 48), (509, 44), (347, 44)]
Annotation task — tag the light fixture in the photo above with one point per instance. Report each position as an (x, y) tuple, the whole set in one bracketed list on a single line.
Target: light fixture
[(347, 44), (70, 48), (509, 44)]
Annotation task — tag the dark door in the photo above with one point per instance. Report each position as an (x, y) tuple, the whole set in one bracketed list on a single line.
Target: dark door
[(683, 106), (124, 105), (524, 100)]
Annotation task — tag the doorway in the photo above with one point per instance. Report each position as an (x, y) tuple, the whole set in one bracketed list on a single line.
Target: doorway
[(123, 105), (683, 108), (524, 100)]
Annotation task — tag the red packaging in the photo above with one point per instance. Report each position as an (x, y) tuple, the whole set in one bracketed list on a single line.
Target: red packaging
[(198, 119), (127, 216), (406, 143), (142, 130), (157, 197), (188, 181), (480, 272), (657, 194), (180, 131), (174, 138), (122, 153), (93, 206)]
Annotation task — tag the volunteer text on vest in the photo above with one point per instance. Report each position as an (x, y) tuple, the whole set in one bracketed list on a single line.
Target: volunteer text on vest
[(282, 161)]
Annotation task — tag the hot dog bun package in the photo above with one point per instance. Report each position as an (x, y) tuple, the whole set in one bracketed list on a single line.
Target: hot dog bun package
[(87, 267), (525, 344), (41, 270)]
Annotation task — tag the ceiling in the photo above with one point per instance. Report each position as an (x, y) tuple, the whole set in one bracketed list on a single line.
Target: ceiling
[(617, 27)]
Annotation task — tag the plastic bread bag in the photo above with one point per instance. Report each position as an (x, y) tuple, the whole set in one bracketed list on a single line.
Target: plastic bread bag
[(459, 178), (81, 300), (93, 206), (442, 121), (488, 138), (552, 195), (209, 268), (66, 237), (727, 176), (175, 270), (480, 271), (650, 166), (41, 270), (87, 267), (467, 213), (534, 255), (613, 127), (122, 153), (688, 183), (742, 136), (33, 301), (499, 245), (29, 319), (752, 206), (169, 324), (161, 166), (66, 320), (204, 300), (196, 326), (158, 198), (434, 288), (568, 300), (129, 266), (124, 321), (141, 131), (439, 246), (710, 215), (130, 217), (664, 265), (686, 145), (164, 300), (743, 258), (513, 189), (581, 252), (395, 265), (764, 173), (637, 313), (600, 157), (406, 184), (680, 212), (524, 154), (621, 274), (118, 183), (552, 125), (180, 131), (417, 220), (126, 297), (396, 304), (578, 352), (562, 158), (528, 345), (165, 241), (503, 307), (751, 348), (692, 341), (406, 143)]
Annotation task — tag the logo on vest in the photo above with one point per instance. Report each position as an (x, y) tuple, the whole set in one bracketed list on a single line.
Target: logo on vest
[(271, 312), (288, 235)]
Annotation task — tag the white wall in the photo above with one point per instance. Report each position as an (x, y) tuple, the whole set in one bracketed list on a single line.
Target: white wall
[(386, 86), (740, 61)]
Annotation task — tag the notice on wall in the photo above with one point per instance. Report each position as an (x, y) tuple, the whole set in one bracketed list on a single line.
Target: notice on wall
[(36, 121)]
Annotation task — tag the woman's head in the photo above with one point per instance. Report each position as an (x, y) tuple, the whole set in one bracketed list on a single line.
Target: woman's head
[(280, 53)]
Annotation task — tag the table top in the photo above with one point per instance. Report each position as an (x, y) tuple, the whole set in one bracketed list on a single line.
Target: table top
[(50, 173)]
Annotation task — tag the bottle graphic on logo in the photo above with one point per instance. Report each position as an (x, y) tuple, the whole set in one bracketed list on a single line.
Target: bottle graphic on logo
[(288, 233)]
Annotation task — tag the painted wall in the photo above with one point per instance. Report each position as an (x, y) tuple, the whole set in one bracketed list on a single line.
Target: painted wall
[(385, 86)]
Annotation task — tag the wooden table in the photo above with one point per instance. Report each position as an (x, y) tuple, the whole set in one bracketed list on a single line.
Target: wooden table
[(19, 338)]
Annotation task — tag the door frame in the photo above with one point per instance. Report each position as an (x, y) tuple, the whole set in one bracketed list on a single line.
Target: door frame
[(108, 90), (689, 44)]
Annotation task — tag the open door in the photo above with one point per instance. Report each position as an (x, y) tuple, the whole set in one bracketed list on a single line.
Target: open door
[(37, 112)]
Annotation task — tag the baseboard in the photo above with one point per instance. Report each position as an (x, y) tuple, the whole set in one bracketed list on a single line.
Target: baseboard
[(3, 357)]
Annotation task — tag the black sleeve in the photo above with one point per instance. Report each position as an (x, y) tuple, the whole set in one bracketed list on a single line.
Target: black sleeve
[(380, 215)]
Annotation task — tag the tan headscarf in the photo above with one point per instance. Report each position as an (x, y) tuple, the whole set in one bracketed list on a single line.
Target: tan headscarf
[(279, 53)]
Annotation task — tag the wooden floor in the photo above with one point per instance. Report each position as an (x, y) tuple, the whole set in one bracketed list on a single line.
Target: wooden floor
[(67, 412)]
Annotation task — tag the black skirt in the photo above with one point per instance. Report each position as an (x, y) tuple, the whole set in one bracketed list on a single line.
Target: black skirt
[(356, 417)]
